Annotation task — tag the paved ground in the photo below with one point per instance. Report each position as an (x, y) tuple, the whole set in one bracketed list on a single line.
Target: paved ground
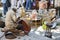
[(37, 35), (32, 36)]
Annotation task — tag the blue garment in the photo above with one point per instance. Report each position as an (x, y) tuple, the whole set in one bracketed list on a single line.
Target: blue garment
[(28, 4), (5, 8), (3, 1)]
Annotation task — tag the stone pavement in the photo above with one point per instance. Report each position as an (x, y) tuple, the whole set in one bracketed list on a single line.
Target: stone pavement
[(55, 32), (32, 36), (37, 35)]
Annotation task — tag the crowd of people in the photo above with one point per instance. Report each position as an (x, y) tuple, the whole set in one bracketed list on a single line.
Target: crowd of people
[(17, 3), (9, 4)]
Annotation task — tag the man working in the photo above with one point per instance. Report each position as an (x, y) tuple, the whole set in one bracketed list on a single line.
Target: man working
[(11, 19)]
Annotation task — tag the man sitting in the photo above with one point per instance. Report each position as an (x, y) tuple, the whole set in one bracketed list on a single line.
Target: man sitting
[(10, 20)]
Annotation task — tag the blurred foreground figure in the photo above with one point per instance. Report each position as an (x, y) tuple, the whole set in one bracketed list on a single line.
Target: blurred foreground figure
[(20, 3), (5, 8), (28, 4), (13, 3), (6, 5)]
